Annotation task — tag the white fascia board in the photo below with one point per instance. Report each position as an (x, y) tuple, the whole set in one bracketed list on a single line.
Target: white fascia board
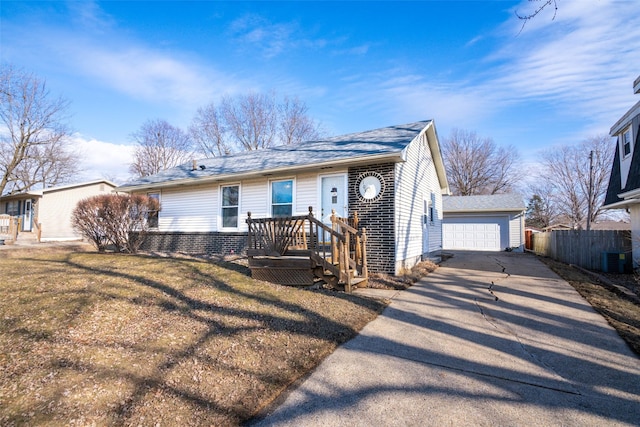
[(625, 120), (633, 194), (496, 211), (395, 157), (436, 153), (621, 205)]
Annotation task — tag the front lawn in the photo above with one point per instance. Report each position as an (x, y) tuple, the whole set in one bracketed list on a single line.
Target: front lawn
[(111, 339)]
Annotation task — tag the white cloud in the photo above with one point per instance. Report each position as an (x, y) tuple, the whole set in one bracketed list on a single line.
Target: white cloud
[(583, 60), (100, 159), (577, 68)]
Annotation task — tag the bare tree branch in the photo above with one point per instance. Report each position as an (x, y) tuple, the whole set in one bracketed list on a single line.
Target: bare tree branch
[(476, 166), (251, 120), (529, 16), (208, 131), (295, 126), (34, 138), (160, 146), (567, 171)]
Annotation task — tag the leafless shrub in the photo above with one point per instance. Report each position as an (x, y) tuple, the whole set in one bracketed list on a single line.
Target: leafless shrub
[(115, 219)]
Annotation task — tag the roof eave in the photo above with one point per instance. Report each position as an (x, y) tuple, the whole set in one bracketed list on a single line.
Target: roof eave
[(434, 146), (622, 204), (395, 157), (625, 120), (500, 210)]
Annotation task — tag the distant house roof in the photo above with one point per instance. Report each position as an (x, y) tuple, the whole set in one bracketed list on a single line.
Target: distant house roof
[(489, 203), (385, 144), (59, 188)]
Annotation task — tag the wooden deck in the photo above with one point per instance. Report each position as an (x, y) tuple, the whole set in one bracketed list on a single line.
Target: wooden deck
[(299, 250)]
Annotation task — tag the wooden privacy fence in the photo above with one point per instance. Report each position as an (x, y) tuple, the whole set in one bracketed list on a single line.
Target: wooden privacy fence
[(581, 247)]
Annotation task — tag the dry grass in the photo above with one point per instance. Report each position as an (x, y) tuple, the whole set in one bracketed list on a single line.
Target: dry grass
[(404, 280), (107, 339), (621, 310)]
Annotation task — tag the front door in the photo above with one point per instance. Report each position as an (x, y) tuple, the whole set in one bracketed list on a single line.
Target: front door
[(26, 222), (333, 196)]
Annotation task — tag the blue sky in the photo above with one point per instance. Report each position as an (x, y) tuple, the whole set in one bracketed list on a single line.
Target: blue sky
[(358, 65)]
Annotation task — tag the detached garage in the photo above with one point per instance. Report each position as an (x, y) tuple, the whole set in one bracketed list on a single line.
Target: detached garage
[(483, 223)]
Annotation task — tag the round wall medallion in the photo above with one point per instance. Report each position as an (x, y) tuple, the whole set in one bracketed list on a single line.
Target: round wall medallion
[(369, 186)]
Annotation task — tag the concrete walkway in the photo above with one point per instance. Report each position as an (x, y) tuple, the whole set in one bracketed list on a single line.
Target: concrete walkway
[(451, 351)]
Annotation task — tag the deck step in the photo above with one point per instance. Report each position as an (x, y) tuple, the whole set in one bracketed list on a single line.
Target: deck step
[(360, 282)]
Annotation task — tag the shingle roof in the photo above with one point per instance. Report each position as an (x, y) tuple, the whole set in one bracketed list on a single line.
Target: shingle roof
[(384, 142), (489, 203)]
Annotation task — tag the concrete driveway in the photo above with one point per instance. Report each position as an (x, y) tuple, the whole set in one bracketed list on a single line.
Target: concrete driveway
[(451, 351)]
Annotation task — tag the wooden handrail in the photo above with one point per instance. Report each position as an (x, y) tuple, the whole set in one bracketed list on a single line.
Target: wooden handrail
[(306, 235)]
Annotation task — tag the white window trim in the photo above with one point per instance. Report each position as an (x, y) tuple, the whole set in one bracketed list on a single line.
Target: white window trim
[(220, 197), (293, 195), (628, 129), (159, 193)]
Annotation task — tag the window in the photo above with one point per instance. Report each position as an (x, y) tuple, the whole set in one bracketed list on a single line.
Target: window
[(626, 142), (13, 208), (432, 209), (152, 216), (230, 203), (282, 198)]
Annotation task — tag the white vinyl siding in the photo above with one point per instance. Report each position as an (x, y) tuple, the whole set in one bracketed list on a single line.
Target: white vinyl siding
[(254, 199), (56, 206), (516, 231), (416, 181), (189, 209), (306, 188)]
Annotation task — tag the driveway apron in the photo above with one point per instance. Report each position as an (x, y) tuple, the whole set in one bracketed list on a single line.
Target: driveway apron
[(486, 339)]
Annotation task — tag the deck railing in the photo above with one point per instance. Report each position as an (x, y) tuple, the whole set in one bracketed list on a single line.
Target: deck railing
[(9, 227), (339, 248)]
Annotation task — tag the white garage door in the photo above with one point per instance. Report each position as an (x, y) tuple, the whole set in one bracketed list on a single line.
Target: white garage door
[(475, 234)]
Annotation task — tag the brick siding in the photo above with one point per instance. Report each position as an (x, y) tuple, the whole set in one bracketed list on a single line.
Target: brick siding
[(377, 216), (196, 243)]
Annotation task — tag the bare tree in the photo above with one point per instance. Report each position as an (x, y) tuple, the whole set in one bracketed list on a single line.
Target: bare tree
[(208, 131), (49, 165), (159, 146), (579, 176), (34, 142), (295, 125), (476, 165), (252, 122)]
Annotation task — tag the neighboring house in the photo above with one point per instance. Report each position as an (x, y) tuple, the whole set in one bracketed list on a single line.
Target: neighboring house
[(392, 177), (624, 182), (484, 223), (48, 211)]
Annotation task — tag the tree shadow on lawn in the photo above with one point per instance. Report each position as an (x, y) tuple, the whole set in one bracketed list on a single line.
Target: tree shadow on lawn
[(209, 345)]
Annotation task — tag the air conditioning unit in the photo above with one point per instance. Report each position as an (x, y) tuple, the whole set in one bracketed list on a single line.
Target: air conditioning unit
[(617, 262)]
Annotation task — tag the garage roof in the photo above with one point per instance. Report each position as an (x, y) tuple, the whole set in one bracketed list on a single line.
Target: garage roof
[(488, 203)]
